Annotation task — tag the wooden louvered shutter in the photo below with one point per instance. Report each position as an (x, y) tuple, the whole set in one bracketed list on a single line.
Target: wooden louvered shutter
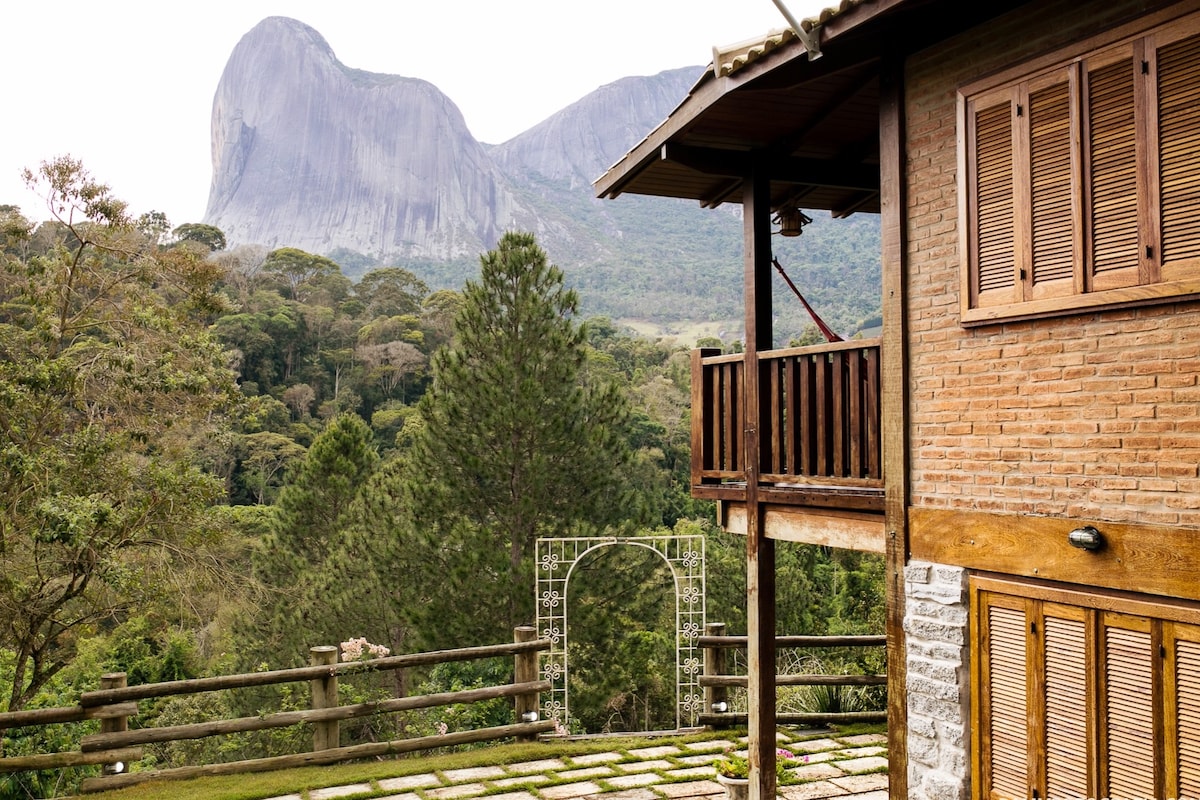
[(993, 258), (1127, 706), (1068, 745), (1055, 223), (1112, 171), (1178, 79), (1005, 700), (1182, 696)]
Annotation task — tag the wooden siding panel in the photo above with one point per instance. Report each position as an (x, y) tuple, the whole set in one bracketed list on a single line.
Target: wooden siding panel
[(1006, 696), (1128, 708), (1066, 703)]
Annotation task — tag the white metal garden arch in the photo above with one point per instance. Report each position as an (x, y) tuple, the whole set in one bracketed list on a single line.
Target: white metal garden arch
[(556, 560)]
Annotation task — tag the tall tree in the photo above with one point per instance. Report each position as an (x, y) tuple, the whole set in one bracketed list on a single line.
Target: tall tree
[(309, 519), (515, 444), (106, 373)]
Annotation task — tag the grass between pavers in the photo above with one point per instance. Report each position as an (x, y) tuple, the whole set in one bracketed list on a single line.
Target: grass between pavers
[(256, 786)]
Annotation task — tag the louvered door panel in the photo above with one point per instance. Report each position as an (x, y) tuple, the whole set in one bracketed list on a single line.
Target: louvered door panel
[(1053, 191), (1007, 686), (1179, 157), (993, 231), (1066, 703), (1128, 706), (1112, 174), (1182, 695)]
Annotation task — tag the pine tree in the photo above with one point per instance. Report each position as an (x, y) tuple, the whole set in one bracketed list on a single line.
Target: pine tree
[(516, 443), (306, 529)]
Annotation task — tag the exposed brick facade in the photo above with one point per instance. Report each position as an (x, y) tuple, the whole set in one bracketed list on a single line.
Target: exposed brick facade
[(1091, 415)]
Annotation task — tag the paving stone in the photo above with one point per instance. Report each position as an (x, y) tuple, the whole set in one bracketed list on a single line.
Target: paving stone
[(645, 766), (520, 780), (586, 772), (712, 745), (340, 791), (868, 764), (403, 796), (881, 795), (421, 781), (569, 790), (812, 791), (630, 781), (692, 772), (595, 758), (690, 789), (544, 765), (864, 739), (655, 752), (462, 790), (814, 772), (513, 796), (863, 783), (473, 774), (627, 794), (286, 797), (815, 746), (817, 758), (703, 758), (863, 752)]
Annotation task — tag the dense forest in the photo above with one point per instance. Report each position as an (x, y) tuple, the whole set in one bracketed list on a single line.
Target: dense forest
[(213, 459)]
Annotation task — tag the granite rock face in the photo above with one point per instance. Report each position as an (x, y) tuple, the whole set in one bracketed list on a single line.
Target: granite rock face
[(310, 153)]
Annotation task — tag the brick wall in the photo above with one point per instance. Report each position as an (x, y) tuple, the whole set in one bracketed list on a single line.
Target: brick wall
[(1093, 415), (935, 626)]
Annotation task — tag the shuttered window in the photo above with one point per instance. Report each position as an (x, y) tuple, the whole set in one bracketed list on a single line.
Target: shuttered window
[(1081, 183), (1081, 695)]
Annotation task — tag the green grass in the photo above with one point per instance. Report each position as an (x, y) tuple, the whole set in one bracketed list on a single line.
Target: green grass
[(255, 786)]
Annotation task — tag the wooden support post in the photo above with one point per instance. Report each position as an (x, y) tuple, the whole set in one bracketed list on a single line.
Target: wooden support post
[(525, 670), (716, 698), (760, 551), (114, 680), (326, 735), (894, 377)]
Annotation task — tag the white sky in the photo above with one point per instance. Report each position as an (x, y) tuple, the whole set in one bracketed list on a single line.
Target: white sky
[(127, 85)]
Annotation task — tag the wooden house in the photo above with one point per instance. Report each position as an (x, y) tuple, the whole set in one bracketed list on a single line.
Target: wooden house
[(1023, 440)]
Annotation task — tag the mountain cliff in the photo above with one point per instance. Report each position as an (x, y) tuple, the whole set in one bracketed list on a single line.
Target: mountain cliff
[(312, 154)]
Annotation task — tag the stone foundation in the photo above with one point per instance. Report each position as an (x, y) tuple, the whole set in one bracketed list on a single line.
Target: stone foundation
[(935, 624)]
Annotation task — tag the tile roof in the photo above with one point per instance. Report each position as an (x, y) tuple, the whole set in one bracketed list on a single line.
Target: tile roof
[(731, 58)]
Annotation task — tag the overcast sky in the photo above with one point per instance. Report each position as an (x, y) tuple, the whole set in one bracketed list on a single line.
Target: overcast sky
[(127, 85)]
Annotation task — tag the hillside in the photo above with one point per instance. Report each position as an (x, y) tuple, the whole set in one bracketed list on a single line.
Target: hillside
[(378, 170)]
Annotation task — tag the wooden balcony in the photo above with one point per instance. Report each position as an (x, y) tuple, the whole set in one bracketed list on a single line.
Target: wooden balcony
[(819, 440)]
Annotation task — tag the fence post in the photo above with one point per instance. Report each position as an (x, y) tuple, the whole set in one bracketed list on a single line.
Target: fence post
[(114, 680), (525, 670), (326, 735), (716, 698)]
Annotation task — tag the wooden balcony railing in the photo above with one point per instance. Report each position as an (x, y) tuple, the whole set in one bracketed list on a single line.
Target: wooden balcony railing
[(819, 417)]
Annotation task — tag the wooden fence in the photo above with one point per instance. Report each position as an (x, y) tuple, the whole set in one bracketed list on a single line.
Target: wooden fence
[(716, 682), (115, 746)]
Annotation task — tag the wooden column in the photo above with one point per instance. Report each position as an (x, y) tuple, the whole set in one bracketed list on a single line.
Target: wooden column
[(326, 735), (114, 680), (894, 377), (525, 671), (760, 551)]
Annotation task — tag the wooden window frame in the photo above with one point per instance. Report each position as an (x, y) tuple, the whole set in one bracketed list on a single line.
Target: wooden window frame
[(1051, 747), (1078, 279)]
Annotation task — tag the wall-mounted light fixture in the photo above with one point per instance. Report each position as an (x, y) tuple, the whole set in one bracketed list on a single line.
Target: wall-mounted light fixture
[(1086, 538), (529, 716), (720, 707), (791, 221)]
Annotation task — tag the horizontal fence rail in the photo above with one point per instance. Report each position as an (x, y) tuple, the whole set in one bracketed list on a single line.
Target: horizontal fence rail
[(819, 416), (715, 680), (116, 745)]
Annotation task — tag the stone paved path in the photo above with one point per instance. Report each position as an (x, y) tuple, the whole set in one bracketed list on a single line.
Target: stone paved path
[(850, 767)]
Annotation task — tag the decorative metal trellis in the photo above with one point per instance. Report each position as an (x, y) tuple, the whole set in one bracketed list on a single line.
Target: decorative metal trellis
[(556, 560)]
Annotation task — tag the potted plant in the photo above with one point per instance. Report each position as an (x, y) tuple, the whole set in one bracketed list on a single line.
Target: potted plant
[(733, 772)]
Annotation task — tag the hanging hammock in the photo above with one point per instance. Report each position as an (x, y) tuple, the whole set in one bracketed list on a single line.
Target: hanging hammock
[(827, 331)]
